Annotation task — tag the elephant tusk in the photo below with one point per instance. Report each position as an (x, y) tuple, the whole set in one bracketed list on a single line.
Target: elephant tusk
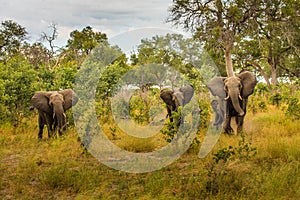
[(65, 116), (241, 98), (226, 98)]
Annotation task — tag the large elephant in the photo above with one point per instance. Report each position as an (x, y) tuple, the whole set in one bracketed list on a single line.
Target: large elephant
[(176, 97), (232, 93), (51, 108)]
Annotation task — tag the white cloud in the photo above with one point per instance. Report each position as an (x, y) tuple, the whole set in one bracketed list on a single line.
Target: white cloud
[(111, 17)]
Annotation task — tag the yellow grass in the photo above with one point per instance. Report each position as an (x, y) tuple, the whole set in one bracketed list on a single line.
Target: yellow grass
[(60, 168)]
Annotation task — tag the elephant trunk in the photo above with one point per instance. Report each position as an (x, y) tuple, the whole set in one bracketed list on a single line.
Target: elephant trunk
[(235, 96), (60, 117)]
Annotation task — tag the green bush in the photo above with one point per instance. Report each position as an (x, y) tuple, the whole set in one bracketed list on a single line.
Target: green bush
[(18, 84), (293, 108)]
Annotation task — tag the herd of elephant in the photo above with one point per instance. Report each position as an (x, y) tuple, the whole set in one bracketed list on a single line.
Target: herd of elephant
[(231, 97)]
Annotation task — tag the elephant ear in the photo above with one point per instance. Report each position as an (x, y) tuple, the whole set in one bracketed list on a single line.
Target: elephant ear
[(249, 82), (188, 93), (178, 98), (40, 100), (216, 87), (70, 98)]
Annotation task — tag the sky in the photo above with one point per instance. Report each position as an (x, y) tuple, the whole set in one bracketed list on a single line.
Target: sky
[(124, 21)]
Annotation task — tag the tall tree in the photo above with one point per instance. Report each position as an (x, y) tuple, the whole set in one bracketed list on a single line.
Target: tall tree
[(274, 43), (220, 23), (81, 43), (171, 53), (37, 54), (12, 36)]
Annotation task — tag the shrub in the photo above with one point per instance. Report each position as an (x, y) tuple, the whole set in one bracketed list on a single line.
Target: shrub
[(293, 108), (18, 83)]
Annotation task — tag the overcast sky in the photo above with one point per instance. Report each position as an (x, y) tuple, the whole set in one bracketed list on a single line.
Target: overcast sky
[(112, 17)]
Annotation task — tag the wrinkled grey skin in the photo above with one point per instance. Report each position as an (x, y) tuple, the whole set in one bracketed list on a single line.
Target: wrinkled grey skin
[(235, 91), (175, 98), (51, 108), (218, 108)]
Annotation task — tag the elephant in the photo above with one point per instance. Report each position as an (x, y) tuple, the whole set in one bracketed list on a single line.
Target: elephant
[(176, 97), (51, 107), (219, 112), (232, 94)]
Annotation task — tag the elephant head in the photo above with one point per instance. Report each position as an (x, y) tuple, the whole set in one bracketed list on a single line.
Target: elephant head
[(176, 97), (52, 107), (234, 89), (167, 95)]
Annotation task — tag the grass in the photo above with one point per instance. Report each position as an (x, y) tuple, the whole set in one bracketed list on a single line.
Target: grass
[(60, 168)]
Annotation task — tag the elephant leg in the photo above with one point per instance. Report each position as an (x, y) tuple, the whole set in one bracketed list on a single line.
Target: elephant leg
[(59, 132), (240, 121), (180, 121), (41, 126), (55, 123), (227, 128), (50, 122), (237, 119), (170, 114)]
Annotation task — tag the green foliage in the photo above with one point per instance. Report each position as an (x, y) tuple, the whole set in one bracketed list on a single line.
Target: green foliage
[(204, 106), (19, 84), (276, 99), (244, 150), (83, 42), (170, 130), (144, 106), (217, 168), (110, 77), (139, 109), (224, 154), (170, 55), (255, 32), (12, 36), (65, 75), (293, 108), (257, 103), (46, 79)]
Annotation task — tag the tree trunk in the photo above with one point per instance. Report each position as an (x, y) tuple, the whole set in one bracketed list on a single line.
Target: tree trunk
[(274, 75), (273, 62), (228, 61), (257, 67)]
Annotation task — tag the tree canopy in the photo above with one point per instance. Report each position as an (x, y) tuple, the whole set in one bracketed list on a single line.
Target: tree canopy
[(244, 25)]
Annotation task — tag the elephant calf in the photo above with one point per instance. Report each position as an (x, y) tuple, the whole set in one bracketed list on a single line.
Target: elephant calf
[(220, 114), (174, 98), (51, 108)]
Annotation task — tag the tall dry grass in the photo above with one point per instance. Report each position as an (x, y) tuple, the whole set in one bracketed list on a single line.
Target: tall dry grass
[(60, 168)]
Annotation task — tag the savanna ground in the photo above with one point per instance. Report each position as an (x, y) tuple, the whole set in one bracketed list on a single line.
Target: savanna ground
[(263, 164)]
